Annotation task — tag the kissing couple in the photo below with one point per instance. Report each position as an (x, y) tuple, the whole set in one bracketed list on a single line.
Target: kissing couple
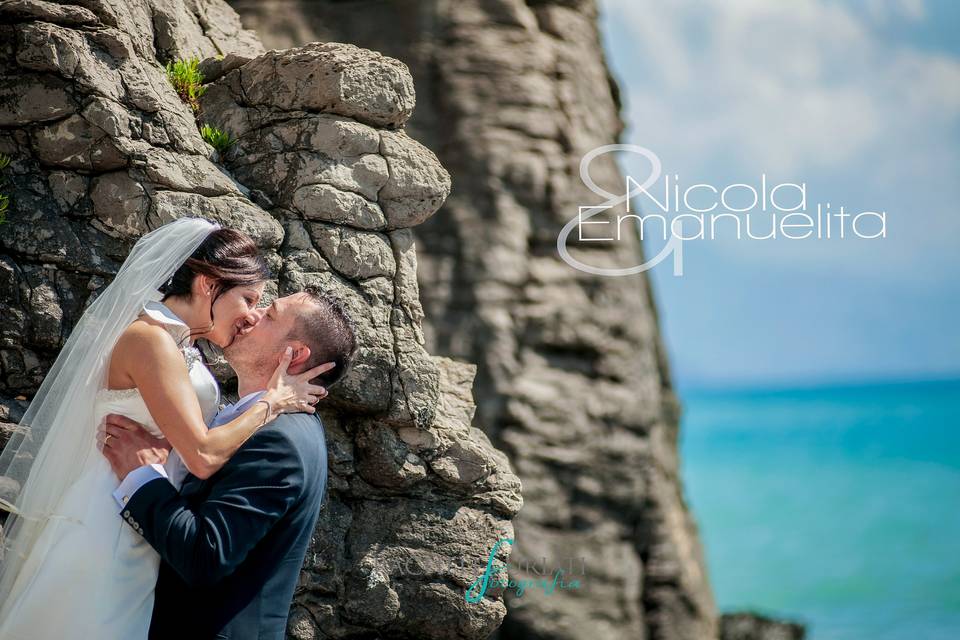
[(206, 531)]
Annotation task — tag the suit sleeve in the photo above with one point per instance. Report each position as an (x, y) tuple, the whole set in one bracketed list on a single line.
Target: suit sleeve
[(206, 542)]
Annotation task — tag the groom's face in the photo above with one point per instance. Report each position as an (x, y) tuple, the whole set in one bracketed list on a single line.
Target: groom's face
[(258, 349)]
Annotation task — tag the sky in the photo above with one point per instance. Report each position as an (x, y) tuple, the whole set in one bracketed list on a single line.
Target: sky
[(859, 101)]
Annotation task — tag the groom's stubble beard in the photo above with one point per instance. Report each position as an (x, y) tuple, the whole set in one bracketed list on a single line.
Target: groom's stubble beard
[(265, 364), (241, 360), (253, 364)]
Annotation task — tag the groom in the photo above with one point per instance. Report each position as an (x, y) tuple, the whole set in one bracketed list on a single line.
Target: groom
[(232, 546)]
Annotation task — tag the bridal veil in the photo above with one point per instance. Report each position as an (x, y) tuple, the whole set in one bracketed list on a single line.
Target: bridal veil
[(47, 451)]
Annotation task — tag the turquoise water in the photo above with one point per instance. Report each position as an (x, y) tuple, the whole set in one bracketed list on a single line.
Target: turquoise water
[(839, 507)]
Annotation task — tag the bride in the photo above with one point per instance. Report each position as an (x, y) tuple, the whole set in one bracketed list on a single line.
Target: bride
[(71, 566)]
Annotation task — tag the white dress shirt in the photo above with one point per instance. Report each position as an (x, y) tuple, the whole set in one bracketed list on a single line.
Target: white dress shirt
[(142, 475)]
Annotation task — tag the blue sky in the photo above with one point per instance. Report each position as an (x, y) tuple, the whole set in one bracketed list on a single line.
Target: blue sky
[(860, 101)]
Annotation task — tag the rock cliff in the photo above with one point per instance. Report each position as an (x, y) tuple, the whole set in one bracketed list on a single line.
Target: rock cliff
[(323, 175), (572, 381)]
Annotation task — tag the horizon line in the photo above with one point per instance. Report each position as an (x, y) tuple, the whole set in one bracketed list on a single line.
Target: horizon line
[(812, 383)]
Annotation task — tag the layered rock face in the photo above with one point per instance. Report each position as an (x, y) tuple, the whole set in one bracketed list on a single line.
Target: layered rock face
[(751, 626), (324, 177), (572, 380)]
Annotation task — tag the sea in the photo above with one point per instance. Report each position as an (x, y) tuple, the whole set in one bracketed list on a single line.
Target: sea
[(836, 506)]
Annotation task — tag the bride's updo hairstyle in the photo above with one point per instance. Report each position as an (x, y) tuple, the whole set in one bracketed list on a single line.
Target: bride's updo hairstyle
[(227, 256)]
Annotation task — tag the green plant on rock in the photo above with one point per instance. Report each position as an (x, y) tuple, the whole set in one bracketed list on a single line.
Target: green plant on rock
[(185, 76), (217, 138), (4, 198)]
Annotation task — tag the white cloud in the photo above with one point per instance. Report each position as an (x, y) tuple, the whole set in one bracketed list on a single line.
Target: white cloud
[(791, 84), (802, 90), (887, 11)]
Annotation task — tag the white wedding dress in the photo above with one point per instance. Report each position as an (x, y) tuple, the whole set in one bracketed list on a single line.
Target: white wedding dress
[(90, 575)]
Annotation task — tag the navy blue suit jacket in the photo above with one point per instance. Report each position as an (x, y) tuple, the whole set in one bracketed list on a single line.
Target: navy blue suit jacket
[(232, 546)]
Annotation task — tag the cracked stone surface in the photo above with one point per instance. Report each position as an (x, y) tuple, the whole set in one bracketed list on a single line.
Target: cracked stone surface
[(326, 179), (572, 380)]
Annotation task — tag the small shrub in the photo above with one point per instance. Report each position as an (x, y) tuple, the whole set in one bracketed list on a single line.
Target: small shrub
[(218, 139), (186, 78)]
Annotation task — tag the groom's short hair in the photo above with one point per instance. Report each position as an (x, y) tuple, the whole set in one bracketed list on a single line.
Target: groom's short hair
[(328, 331)]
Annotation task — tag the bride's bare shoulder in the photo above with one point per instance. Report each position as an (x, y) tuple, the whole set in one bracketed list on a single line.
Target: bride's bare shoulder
[(145, 338), (143, 346)]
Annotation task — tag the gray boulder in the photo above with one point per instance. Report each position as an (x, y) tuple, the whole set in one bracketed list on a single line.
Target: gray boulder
[(572, 380), (103, 150)]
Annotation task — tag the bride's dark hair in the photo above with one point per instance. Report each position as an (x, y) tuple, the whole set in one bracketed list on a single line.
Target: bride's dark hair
[(227, 256)]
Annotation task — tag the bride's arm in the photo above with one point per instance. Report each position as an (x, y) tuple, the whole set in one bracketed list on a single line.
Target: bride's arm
[(148, 358)]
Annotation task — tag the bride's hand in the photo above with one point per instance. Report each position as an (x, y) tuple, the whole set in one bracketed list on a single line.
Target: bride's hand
[(293, 393)]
